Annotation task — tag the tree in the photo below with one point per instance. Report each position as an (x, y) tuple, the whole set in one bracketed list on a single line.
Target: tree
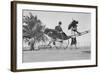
[(33, 30)]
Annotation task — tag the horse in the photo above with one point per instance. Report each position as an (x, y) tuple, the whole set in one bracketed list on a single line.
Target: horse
[(56, 36)]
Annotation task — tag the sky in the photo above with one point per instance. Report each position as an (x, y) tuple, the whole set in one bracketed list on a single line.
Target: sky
[(51, 19)]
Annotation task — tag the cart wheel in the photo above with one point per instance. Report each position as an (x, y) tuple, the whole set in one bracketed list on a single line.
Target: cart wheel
[(64, 44)]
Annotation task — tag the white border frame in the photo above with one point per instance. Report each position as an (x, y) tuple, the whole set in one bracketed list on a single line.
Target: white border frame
[(21, 65)]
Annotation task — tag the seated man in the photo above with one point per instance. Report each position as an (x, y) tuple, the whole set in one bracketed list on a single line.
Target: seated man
[(59, 30)]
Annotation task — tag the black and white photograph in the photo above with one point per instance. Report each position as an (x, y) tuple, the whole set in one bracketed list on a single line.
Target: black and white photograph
[(56, 36), (53, 36)]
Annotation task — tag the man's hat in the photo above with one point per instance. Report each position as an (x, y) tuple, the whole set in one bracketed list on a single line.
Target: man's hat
[(72, 24), (76, 22), (60, 22)]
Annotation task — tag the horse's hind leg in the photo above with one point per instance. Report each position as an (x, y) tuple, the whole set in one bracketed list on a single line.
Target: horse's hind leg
[(76, 46), (49, 44), (54, 43)]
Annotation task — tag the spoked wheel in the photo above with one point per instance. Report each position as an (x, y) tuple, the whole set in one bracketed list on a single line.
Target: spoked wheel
[(62, 44), (67, 43)]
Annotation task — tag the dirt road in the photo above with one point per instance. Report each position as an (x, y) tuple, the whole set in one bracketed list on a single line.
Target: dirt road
[(56, 54)]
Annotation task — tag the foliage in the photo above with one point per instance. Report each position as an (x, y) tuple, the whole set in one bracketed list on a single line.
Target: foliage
[(33, 28)]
